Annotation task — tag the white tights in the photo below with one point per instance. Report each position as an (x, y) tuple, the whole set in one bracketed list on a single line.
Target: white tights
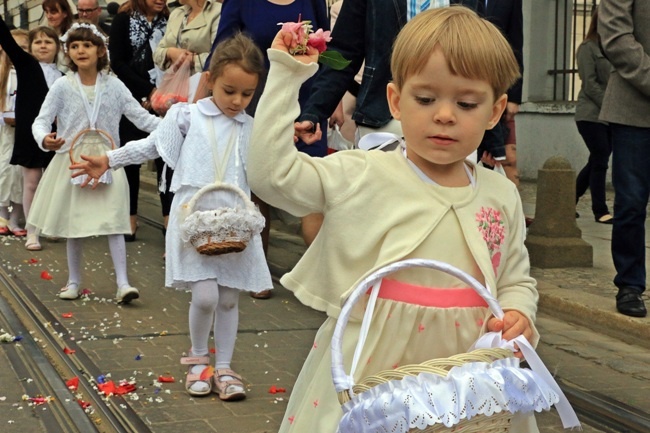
[(117, 247), (217, 307), (31, 178)]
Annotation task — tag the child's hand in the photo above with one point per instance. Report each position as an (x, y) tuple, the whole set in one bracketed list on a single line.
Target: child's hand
[(94, 167), (306, 132), (513, 325), (282, 42), (50, 142)]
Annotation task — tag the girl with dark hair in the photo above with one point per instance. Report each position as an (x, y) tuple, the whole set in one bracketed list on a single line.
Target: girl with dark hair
[(61, 208), (59, 15)]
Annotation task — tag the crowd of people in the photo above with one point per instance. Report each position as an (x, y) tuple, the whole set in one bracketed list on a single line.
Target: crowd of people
[(442, 78)]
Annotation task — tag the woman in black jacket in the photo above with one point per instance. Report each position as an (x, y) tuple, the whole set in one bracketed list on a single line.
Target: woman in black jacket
[(135, 32)]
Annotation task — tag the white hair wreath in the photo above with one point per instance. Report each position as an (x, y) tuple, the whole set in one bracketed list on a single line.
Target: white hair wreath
[(88, 26)]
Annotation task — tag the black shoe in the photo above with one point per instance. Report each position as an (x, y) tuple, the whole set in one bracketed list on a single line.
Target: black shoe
[(131, 237), (630, 303)]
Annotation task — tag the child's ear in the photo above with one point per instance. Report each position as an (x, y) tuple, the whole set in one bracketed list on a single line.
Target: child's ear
[(101, 51), (393, 95), (497, 111)]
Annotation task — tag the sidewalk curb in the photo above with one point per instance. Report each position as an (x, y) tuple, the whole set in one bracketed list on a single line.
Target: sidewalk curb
[(593, 312)]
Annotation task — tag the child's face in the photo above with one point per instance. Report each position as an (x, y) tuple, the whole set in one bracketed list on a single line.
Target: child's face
[(85, 54), (233, 89), (443, 116), (43, 48), (54, 17)]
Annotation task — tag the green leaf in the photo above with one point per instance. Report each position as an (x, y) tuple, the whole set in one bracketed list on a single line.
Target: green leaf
[(333, 59)]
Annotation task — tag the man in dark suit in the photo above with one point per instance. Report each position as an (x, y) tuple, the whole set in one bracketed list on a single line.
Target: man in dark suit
[(500, 142), (625, 37)]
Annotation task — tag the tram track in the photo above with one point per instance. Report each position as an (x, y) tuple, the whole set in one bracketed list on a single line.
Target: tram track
[(42, 359)]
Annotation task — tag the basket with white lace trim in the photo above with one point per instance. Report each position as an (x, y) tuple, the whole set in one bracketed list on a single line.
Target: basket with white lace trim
[(478, 391), (91, 142), (222, 230)]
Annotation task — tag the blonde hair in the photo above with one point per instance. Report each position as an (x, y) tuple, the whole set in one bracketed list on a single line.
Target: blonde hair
[(5, 68), (473, 48)]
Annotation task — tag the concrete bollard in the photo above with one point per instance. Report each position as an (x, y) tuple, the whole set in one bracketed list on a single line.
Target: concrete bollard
[(554, 239)]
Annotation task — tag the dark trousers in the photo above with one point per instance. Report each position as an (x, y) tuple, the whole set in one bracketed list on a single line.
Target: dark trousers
[(597, 137), (166, 197), (133, 177), (631, 180)]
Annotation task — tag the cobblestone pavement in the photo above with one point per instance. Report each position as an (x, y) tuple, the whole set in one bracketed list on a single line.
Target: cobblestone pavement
[(146, 339)]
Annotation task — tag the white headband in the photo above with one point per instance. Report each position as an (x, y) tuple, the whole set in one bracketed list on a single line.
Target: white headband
[(88, 26)]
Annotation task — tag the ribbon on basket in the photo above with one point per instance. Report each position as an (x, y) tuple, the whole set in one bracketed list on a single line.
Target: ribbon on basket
[(493, 340), (93, 137)]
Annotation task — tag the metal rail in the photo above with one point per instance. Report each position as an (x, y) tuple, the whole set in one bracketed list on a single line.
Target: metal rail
[(47, 364)]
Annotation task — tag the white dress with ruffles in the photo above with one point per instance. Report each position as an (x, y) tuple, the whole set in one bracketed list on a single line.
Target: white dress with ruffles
[(185, 143), (11, 178)]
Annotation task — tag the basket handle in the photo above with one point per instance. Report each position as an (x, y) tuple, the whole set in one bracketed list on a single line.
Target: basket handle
[(342, 381), (82, 132), (220, 186)]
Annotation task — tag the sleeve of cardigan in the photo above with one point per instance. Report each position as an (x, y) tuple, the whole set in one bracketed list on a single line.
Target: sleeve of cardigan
[(121, 54), (516, 289), (52, 104), (19, 57), (135, 152), (589, 76), (277, 172)]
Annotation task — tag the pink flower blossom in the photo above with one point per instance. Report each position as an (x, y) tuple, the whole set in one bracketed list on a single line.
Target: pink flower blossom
[(319, 40), (493, 233)]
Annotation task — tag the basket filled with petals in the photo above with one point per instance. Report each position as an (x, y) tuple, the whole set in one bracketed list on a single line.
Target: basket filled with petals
[(221, 230)]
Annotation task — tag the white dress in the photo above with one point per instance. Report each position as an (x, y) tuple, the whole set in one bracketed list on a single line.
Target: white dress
[(65, 210), (184, 141), (11, 179)]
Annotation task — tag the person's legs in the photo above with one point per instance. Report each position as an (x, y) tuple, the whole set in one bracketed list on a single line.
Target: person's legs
[(31, 178), (631, 180), (228, 384), (205, 298), (133, 177), (125, 293), (598, 140), (166, 197), (74, 250)]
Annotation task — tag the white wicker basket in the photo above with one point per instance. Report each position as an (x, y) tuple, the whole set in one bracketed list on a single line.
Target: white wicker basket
[(478, 391), (222, 230)]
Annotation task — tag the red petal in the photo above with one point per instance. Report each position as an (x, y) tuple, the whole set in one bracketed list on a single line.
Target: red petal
[(166, 379), (273, 390), (33, 260), (73, 383), (107, 388), (46, 275), (68, 351), (206, 373), (66, 315)]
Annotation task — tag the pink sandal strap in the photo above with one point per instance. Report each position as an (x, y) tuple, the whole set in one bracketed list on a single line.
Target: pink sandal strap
[(195, 360)]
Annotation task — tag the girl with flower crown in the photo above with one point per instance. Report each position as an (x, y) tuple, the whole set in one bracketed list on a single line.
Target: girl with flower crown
[(61, 208)]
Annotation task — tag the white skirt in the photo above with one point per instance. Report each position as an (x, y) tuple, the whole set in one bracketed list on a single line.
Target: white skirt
[(65, 210)]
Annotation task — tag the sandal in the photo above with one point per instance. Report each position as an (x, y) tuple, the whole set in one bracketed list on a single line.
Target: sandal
[(264, 294), (33, 243), (204, 377), (18, 232), (228, 385)]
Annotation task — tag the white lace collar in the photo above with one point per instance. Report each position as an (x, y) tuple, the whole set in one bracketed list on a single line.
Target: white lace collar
[(208, 108)]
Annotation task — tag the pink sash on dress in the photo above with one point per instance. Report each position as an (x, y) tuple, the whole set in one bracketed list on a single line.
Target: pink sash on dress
[(461, 297)]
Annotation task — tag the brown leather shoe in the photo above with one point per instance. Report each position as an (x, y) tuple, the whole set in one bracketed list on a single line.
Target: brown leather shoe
[(264, 294)]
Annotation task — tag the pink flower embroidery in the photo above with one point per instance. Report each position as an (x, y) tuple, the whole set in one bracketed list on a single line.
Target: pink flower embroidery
[(493, 231)]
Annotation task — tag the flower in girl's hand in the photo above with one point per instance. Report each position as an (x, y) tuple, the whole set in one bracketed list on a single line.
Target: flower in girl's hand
[(304, 37)]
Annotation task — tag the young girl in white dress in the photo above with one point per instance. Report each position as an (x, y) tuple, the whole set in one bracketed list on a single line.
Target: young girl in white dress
[(11, 188), (61, 208), (188, 139)]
